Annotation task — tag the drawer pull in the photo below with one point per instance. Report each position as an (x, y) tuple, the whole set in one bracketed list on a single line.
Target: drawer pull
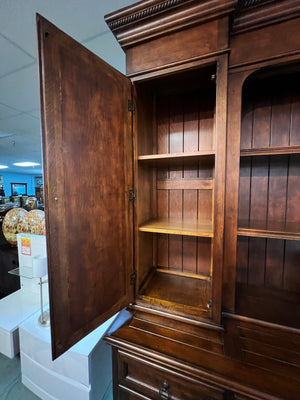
[(164, 392)]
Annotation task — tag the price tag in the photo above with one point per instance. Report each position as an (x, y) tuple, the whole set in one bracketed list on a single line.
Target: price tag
[(25, 247)]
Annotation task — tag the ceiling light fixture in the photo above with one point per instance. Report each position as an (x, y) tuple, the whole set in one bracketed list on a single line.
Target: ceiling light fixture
[(3, 166), (26, 164), (5, 134)]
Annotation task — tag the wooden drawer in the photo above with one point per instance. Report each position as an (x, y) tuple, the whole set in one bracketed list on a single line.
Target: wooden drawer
[(125, 394), (142, 379)]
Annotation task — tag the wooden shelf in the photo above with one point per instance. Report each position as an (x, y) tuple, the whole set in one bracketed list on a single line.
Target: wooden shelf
[(168, 291), (178, 227), (269, 151), (186, 274), (165, 160), (274, 230)]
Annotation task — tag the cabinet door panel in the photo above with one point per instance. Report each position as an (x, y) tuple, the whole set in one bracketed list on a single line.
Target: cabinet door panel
[(87, 156)]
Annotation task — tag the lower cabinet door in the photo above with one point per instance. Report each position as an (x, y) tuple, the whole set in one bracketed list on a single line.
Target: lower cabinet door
[(142, 379)]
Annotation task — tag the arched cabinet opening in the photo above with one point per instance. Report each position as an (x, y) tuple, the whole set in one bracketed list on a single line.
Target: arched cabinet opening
[(268, 245)]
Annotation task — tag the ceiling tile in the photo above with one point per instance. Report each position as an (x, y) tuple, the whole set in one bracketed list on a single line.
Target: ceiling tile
[(21, 123), (108, 49), (20, 90), (18, 148), (13, 59), (81, 20), (35, 113), (7, 112)]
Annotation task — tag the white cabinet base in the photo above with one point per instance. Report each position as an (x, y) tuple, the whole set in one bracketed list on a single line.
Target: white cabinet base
[(82, 373), (14, 309)]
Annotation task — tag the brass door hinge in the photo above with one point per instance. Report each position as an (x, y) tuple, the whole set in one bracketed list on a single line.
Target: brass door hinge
[(131, 106), (133, 278), (132, 195)]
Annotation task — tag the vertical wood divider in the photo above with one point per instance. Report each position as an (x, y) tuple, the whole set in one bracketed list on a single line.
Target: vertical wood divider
[(235, 84), (219, 186)]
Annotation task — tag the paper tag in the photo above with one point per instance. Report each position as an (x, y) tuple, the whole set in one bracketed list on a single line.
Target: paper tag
[(25, 247)]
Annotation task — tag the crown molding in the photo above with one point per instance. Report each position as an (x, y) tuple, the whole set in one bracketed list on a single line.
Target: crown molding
[(152, 18), (143, 13), (256, 14)]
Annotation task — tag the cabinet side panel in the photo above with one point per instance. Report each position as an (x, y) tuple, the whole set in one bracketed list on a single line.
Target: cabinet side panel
[(189, 256), (247, 124), (244, 192), (175, 252), (293, 193), (281, 118), (275, 254), (191, 123), (295, 120), (256, 272), (189, 248), (204, 257), (205, 207), (291, 276), (163, 251), (242, 259), (163, 125), (163, 240), (261, 122), (277, 189), (145, 262), (206, 122), (259, 190)]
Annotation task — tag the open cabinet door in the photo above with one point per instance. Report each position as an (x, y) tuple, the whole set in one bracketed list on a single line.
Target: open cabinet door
[(87, 159)]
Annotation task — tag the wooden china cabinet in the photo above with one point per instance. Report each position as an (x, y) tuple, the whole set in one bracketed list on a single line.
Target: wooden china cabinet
[(173, 193)]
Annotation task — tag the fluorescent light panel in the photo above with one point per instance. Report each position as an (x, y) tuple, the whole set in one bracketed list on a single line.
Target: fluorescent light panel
[(5, 134), (26, 164), (3, 166)]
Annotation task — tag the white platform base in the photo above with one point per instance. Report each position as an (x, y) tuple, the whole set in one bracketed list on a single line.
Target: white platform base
[(82, 373), (14, 309)]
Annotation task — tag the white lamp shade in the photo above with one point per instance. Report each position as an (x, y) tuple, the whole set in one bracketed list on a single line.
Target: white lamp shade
[(39, 266)]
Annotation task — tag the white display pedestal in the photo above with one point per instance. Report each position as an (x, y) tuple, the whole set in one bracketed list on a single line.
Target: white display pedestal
[(20, 305), (16, 308), (83, 372)]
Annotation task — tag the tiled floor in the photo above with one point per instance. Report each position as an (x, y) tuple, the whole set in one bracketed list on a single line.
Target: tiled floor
[(11, 387)]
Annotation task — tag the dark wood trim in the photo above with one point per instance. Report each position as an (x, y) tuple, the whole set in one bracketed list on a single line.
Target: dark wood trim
[(219, 188), (151, 19), (268, 325), (235, 84), (206, 374), (202, 324), (186, 184), (171, 68), (270, 151), (274, 45), (257, 14), (268, 233), (140, 13), (265, 62)]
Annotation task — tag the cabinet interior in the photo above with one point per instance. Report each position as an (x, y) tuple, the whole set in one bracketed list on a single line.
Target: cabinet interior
[(268, 251), (175, 152)]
